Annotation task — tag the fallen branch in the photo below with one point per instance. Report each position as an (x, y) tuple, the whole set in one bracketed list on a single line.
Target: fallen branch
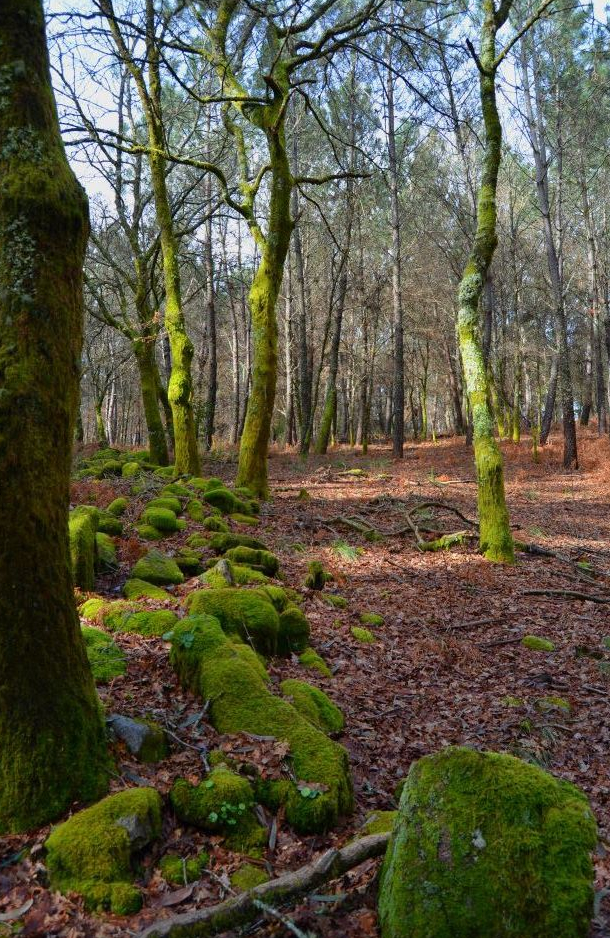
[(238, 910), (568, 594)]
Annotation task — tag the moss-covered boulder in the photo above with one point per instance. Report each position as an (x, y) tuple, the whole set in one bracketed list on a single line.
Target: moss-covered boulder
[(213, 523), (221, 542), (109, 524), (176, 489), (106, 553), (311, 659), (222, 803), (118, 507), (106, 659), (152, 623), (197, 541), (365, 636), (212, 665), (94, 852), (140, 589), (155, 567), (163, 519), (293, 636), (277, 595), (148, 533), (82, 526), (144, 738), (225, 501), (371, 618), (180, 871), (378, 822), (130, 469), (262, 560), (189, 560), (241, 612), (169, 502), (196, 511), (486, 844), (244, 519), (224, 573), (313, 704)]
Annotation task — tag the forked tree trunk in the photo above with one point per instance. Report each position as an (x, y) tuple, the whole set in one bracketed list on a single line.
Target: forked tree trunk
[(144, 349), (52, 739)]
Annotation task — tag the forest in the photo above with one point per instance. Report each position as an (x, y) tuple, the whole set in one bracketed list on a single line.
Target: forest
[(304, 468)]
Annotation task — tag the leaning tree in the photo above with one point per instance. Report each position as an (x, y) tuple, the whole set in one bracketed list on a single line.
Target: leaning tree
[(52, 740)]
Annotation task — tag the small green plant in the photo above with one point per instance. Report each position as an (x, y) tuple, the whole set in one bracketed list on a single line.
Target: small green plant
[(228, 813), (347, 551)]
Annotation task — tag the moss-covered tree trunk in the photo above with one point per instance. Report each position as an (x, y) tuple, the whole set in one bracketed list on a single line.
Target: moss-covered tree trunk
[(252, 468), (495, 538), (144, 349), (52, 741)]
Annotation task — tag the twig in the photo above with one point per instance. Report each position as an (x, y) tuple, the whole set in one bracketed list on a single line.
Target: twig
[(240, 909), (568, 594)]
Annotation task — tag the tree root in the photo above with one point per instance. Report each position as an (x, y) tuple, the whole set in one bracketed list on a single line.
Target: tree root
[(286, 889), (568, 594)]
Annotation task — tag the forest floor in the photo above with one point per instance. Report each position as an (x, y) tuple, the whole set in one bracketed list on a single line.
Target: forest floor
[(447, 665)]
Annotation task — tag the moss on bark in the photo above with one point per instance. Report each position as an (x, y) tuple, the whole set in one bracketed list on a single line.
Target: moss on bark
[(52, 741)]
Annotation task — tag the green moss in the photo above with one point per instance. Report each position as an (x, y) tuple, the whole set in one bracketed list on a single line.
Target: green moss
[(180, 871), (169, 502), (93, 852), (317, 576), (371, 618), (363, 635), (148, 533), (213, 483), (200, 484), (225, 501), (244, 519), (553, 703), (223, 542), (82, 526), (262, 560), (137, 589), (311, 659), (293, 636), (198, 540), (108, 524), (339, 602), (313, 704), (242, 576), (248, 876), (150, 623), (160, 518), (486, 844), (241, 612), (512, 701), (209, 663), (112, 467), (276, 595), (189, 560), (157, 568), (165, 472), (91, 608), (130, 469), (378, 822), (155, 747), (106, 552), (176, 489), (195, 511), (212, 523), (117, 507), (222, 803), (106, 659), (536, 643)]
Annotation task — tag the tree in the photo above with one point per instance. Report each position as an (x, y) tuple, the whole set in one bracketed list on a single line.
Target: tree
[(52, 740)]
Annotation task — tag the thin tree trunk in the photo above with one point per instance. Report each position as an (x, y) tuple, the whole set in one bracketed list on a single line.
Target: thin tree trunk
[(398, 437)]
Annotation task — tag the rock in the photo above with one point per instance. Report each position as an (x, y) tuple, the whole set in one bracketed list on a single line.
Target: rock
[(487, 845), (145, 739), (155, 567)]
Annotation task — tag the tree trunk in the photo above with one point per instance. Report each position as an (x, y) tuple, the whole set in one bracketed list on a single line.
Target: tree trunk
[(549, 404), (398, 435), (52, 739), (495, 538), (144, 349), (210, 313)]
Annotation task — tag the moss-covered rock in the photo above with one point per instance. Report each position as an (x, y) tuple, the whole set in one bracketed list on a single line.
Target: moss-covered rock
[(176, 489), (311, 659), (248, 876), (537, 643), (93, 853), (363, 635), (220, 803), (160, 518), (118, 507), (244, 519), (276, 595), (221, 542), (106, 659), (238, 575), (169, 502), (195, 511), (148, 533), (109, 524), (148, 622), (225, 501), (155, 567), (486, 844), (262, 560), (130, 469), (211, 665), (293, 636), (313, 704), (317, 576), (212, 523), (82, 527), (371, 618), (241, 612), (139, 589), (180, 871), (111, 467), (144, 738), (189, 560), (165, 472), (106, 552), (198, 541), (378, 822), (333, 599)]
